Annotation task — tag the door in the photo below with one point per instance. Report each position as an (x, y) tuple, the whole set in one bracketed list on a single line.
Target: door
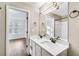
[(16, 31)]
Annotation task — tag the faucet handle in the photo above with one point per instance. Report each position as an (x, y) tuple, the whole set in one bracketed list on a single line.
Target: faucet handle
[(58, 38)]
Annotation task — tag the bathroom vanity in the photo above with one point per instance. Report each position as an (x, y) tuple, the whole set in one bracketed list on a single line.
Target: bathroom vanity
[(44, 47), (53, 23)]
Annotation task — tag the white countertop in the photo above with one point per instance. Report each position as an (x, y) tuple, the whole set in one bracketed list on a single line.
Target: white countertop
[(52, 48)]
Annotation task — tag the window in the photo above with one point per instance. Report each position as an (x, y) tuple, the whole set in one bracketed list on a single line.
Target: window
[(16, 23)]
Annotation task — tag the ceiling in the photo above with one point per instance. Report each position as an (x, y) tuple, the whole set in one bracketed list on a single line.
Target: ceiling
[(35, 4)]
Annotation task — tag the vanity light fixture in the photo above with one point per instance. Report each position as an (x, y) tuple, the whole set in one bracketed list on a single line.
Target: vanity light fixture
[(55, 4), (74, 14)]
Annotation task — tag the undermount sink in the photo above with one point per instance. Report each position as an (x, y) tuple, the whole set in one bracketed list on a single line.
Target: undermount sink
[(48, 43)]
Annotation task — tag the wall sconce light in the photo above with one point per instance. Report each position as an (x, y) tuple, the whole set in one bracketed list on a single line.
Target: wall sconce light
[(74, 14)]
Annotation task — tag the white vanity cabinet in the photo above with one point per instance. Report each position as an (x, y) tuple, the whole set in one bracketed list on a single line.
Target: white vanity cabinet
[(64, 53), (38, 50), (45, 53), (44, 47), (35, 49), (32, 48)]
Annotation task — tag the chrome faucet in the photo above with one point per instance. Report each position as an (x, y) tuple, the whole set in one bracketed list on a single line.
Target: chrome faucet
[(55, 39)]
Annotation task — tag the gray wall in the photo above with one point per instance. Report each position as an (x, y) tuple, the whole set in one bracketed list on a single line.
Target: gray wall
[(2, 29), (73, 31)]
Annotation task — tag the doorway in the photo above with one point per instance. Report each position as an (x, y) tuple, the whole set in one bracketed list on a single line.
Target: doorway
[(16, 31)]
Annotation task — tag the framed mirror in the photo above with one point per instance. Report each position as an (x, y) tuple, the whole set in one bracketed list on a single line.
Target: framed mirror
[(55, 21)]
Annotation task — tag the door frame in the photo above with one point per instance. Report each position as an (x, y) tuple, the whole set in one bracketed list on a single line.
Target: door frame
[(28, 24)]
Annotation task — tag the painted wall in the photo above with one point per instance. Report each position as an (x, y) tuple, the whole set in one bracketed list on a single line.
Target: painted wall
[(73, 31), (2, 29), (34, 17)]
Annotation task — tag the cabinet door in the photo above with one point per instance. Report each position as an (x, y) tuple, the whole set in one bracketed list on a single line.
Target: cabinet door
[(64, 53), (32, 48), (38, 50), (45, 53)]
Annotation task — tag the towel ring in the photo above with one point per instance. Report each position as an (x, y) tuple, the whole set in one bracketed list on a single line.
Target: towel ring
[(75, 13)]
